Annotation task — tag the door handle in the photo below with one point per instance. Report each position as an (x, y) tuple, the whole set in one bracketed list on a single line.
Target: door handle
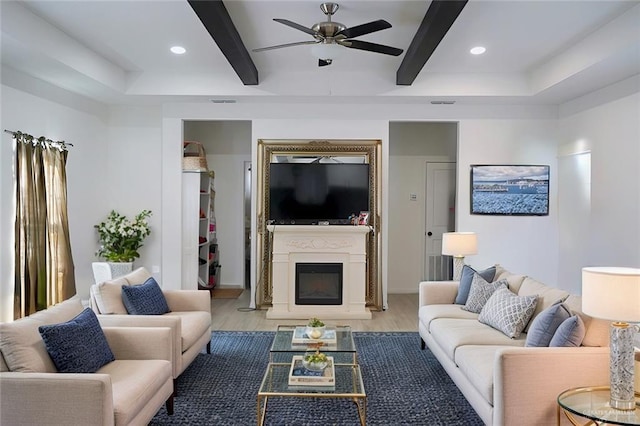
[(429, 233)]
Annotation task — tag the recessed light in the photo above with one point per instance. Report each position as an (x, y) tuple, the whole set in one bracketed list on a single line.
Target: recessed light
[(478, 50), (178, 50)]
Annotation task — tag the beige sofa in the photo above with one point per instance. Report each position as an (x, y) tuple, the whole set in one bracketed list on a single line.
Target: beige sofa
[(189, 319), (127, 391), (505, 382)]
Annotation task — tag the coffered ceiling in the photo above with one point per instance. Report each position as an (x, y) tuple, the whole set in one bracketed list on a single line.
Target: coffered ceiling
[(117, 52)]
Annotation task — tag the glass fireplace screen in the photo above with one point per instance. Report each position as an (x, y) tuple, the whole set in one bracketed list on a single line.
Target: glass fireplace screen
[(318, 283)]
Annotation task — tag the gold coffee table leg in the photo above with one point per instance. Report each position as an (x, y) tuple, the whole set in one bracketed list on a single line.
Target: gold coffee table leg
[(262, 409), (361, 406)]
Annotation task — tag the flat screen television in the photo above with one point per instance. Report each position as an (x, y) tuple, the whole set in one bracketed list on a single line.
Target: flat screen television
[(308, 193)]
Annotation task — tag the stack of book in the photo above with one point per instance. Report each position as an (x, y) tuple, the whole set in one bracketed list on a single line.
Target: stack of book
[(303, 378), (300, 337)]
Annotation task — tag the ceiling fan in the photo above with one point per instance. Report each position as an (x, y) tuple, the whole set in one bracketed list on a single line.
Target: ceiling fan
[(331, 36)]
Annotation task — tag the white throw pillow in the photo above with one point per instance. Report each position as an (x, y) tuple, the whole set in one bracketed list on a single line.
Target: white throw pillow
[(108, 296), (21, 344), (138, 276), (508, 312), (480, 292)]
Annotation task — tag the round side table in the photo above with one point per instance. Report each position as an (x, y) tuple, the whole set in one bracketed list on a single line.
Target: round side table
[(592, 403)]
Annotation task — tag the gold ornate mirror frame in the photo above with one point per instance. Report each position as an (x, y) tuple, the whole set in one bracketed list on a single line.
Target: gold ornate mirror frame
[(371, 151)]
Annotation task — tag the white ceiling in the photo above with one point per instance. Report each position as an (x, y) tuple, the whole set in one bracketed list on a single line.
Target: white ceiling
[(538, 52)]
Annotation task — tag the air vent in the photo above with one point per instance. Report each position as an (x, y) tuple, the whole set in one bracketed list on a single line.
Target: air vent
[(223, 101), (443, 102)]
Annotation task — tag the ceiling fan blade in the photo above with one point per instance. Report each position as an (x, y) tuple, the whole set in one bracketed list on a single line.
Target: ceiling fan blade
[(371, 47), (297, 26), (324, 62), (280, 46), (368, 28)]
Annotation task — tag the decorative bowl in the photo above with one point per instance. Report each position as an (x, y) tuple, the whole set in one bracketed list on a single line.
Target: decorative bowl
[(315, 332), (315, 361), (315, 366)]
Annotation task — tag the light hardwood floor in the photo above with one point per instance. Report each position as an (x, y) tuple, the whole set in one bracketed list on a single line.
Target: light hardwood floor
[(234, 315)]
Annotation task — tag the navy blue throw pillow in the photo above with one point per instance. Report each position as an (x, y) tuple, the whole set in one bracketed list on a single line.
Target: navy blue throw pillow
[(569, 334), (144, 299), (78, 345), (466, 278), (544, 326)]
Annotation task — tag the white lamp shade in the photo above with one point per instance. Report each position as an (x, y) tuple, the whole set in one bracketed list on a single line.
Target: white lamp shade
[(611, 293), (459, 244), (326, 50)]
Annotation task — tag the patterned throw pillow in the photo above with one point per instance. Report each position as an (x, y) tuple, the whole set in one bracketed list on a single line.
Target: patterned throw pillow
[(569, 334), (508, 312), (78, 345), (480, 292), (544, 326), (144, 299), (467, 277)]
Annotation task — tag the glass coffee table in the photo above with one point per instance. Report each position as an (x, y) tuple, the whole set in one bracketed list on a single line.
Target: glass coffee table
[(348, 377), (348, 384), (343, 350), (592, 403)]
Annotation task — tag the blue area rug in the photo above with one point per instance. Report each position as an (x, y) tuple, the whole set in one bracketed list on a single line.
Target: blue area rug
[(404, 386)]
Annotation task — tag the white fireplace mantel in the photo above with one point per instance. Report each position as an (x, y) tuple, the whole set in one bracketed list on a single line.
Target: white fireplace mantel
[(344, 244)]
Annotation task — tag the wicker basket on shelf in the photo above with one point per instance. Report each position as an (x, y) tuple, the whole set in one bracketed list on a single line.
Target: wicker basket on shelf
[(194, 157)]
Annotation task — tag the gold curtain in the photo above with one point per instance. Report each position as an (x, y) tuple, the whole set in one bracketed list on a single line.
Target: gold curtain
[(44, 271)]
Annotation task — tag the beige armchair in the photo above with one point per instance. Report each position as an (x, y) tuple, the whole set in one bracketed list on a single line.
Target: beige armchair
[(127, 391), (189, 319)]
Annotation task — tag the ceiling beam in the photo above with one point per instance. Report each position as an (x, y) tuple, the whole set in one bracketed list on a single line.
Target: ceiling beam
[(216, 20), (439, 18)]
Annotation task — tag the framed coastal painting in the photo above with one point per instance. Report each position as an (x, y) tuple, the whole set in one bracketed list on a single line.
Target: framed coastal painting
[(512, 190)]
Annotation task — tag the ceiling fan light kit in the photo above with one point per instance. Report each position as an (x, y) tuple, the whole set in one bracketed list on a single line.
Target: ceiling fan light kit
[(330, 37), (326, 51)]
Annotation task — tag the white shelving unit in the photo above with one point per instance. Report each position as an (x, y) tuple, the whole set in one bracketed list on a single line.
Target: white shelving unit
[(200, 267)]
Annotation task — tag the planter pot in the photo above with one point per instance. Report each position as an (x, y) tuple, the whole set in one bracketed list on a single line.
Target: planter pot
[(315, 332), (105, 271)]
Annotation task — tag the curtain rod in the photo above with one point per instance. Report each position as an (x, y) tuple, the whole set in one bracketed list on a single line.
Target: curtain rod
[(42, 138)]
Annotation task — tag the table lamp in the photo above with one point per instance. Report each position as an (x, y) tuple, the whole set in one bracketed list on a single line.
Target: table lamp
[(613, 293), (459, 245)]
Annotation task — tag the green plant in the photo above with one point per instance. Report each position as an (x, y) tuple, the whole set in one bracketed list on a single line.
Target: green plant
[(120, 238), (315, 358), (315, 322)]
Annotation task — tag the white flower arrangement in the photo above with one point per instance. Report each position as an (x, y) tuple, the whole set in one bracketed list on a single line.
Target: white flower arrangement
[(120, 238)]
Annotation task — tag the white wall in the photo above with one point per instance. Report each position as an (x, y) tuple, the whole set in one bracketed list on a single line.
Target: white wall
[(283, 120), (411, 146), (115, 163), (120, 164), (87, 180), (574, 215), (611, 133), (135, 174), (487, 134), (522, 244)]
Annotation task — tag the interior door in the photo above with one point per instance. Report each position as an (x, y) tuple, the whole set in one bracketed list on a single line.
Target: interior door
[(439, 218)]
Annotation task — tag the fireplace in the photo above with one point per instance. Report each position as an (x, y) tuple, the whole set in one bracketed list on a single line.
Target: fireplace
[(332, 262), (318, 284)]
